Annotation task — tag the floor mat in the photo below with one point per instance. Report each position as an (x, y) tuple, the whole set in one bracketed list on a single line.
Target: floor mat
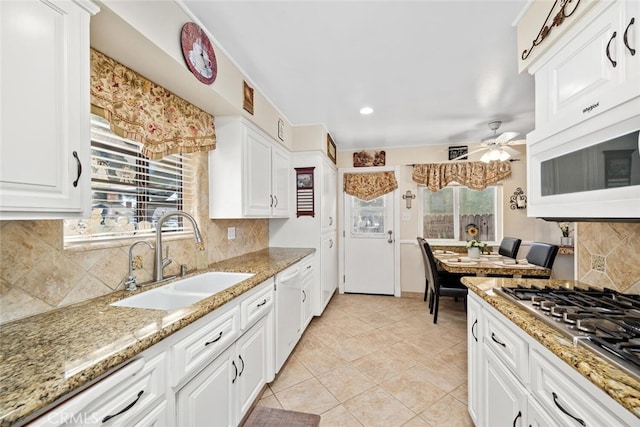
[(262, 416)]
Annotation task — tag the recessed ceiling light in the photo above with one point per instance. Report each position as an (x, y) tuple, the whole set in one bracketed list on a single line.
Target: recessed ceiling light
[(366, 110)]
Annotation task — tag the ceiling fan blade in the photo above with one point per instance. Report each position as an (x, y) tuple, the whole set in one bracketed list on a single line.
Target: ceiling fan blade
[(506, 136), (511, 151)]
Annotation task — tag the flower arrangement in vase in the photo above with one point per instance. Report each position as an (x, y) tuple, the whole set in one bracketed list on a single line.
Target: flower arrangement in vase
[(474, 246), (565, 229)]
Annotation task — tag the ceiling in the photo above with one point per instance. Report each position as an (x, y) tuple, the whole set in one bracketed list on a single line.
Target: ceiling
[(435, 72)]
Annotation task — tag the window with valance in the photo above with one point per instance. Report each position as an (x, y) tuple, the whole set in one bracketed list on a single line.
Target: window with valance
[(473, 175), (140, 110)]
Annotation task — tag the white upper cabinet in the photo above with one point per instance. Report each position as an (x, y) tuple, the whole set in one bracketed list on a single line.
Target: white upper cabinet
[(248, 173), (593, 68), (44, 110)]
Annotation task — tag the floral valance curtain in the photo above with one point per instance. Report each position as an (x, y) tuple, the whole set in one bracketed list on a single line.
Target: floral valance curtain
[(474, 175), (368, 186), (143, 111)]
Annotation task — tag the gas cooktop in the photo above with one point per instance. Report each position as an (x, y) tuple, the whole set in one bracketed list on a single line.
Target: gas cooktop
[(603, 320)]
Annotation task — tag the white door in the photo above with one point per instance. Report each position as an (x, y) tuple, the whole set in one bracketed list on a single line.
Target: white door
[(369, 245)]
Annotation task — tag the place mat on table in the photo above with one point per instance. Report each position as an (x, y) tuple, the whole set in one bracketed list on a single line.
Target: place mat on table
[(261, 416), (502, 264), (454, 262), (441, 252)]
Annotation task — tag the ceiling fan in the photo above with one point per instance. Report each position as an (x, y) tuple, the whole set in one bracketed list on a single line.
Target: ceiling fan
[(496, 146)]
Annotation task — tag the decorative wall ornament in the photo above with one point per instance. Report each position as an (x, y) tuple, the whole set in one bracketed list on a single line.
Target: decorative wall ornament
[(198, 53), (247, 97), (408, 197), (369, 158), (558, 19), (281, 129), (518, 200), (305, 205)]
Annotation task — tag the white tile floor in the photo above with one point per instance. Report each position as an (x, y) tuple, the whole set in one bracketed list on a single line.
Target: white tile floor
[(378, 361)]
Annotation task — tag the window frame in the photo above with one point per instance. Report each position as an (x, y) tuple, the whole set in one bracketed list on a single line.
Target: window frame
[(456, 214)]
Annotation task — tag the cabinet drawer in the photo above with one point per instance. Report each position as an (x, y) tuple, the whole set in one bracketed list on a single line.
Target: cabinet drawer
[(506, 345), (204, 344), (564, 399), (255, 307), (117, 400)]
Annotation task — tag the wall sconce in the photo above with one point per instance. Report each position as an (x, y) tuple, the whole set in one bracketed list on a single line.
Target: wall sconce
[(408, 197), (518, 200)]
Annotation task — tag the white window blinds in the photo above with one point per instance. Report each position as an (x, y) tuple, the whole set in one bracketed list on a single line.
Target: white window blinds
[(130, 192)]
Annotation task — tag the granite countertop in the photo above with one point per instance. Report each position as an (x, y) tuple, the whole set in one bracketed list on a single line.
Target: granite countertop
[(616, 383), (46, 356)]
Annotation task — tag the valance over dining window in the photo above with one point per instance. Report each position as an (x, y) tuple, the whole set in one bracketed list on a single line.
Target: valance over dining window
[(143, 111), (474, 175), (368, 186)]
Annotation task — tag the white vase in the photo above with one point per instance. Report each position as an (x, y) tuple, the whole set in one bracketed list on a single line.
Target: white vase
[(566, 241), (473, 252)]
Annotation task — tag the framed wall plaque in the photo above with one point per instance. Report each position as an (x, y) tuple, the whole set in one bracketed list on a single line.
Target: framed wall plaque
[(305, 205), (331, 149), (247, 97), (457, 151)]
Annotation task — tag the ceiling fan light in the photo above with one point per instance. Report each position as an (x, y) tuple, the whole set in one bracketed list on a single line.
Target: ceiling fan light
[(504, 155), (486, 157)]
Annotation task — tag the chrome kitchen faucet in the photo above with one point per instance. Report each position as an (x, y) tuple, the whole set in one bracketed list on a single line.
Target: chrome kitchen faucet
[(131, 283), (160, 262)]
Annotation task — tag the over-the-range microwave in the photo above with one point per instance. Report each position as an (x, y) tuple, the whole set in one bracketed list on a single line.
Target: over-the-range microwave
[(587, 172)]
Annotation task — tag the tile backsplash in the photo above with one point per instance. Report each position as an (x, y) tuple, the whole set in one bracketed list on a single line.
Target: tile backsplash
[(37, 274), (608, 254)]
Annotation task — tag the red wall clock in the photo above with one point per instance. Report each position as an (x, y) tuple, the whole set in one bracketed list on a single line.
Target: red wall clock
[(198, 53)]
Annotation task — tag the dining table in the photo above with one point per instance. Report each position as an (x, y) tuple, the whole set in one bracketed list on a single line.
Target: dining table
[(492, 263)]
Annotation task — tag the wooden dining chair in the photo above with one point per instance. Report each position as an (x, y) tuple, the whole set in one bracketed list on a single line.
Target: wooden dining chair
[(509, 247), (438, 283)]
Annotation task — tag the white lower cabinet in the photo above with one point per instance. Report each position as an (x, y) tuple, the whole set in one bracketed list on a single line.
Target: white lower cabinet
[(516, 381), (133, 395), (307, 279), (505, 398), (474, 352), (222, 393), (208, 398)]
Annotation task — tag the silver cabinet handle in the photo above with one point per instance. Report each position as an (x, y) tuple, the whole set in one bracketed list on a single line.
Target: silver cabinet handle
[(276, 201), (330, 243), (330, 220), (390, 238)]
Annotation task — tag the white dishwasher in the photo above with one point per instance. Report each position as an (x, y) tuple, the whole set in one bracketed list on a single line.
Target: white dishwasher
[(288, 312)]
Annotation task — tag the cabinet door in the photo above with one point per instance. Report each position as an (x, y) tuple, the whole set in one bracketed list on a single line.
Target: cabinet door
[(280, 182), (288, 313), (252, 366), (505, 398), (538, 417), (329, 268), (208, 399), (257, 175), (308, 281), (44, 132), (329, 200), (592, 73), (474, 346)]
